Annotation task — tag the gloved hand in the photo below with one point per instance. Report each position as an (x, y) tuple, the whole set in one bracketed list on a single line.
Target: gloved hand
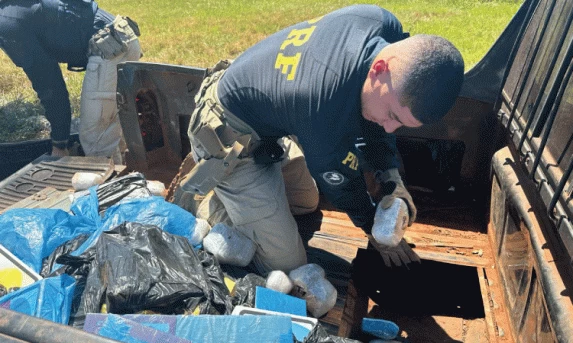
[(105, 44), (392, 187), (402, 254)]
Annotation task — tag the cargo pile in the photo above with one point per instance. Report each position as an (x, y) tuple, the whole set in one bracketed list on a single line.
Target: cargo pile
[(123, 263)]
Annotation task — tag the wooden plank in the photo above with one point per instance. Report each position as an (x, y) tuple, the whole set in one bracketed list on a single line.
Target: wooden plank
[(476, 332), (355, 308), (489, 319), (333, 242), (493, 298), (446, 257), (448, 245), (436, 234), (332, 233)]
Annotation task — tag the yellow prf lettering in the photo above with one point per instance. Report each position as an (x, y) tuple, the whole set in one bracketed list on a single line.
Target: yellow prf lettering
[(287, 64), (351, 160), (298, 37), (313, 21)]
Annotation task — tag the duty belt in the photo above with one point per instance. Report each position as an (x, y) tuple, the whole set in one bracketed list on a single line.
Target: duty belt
[(219, 139), (220, 128)]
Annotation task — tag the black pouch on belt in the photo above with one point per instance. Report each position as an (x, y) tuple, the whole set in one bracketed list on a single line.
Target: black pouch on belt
[(268, 152)]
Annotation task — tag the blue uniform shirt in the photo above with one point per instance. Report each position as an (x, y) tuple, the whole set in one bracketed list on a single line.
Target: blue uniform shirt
[(306, 80), (38, 35)]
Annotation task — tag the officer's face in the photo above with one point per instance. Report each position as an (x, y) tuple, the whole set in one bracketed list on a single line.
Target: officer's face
[(386, 111), (381, 102)]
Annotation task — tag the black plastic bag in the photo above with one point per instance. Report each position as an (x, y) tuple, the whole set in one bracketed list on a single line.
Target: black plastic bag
[(245, 289), (221, 300), (319, 335), (109, 193), (137, 267), (129, 186), (66, 248)]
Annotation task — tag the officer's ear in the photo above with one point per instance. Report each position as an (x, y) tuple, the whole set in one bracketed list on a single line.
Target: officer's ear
[(380, 66)]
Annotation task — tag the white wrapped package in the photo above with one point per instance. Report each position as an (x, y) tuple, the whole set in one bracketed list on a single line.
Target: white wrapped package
[(390, 224), (201, 230), (278, 280), (83, 180), (229, 246), (311, 285), (156, 188)]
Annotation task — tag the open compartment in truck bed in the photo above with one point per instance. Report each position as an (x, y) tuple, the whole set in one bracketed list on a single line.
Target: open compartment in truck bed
[(492, 183)]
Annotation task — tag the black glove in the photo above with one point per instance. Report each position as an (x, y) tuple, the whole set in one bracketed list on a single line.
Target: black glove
[(392, 187), (402, 254)]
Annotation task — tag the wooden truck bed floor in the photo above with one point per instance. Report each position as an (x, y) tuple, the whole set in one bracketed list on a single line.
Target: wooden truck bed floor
[(440, 300)]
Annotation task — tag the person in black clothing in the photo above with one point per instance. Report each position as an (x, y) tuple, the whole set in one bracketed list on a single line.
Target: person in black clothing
[(37, 35), (311, 90)]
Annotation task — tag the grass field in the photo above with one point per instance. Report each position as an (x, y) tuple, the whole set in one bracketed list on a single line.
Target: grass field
[(201, 32)]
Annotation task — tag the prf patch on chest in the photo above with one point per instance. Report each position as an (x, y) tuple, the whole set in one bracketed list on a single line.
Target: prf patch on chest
[(351, 161), (333, 178)]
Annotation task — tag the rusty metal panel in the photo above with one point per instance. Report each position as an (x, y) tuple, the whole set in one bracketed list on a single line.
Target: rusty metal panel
[(155, 102), (537, 110), (536, 323), (528, 262)]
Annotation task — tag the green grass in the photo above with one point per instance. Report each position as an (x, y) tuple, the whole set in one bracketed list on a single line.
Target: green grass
[(201, 32)]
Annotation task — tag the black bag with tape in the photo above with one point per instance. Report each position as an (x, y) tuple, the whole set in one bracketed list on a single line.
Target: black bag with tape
[(136, 267)]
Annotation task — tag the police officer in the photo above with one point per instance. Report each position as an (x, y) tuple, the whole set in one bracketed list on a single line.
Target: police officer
[(326, 82), (37, 35)]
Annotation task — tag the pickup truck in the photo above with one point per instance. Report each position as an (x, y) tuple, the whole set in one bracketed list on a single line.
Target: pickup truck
[(492, 182)]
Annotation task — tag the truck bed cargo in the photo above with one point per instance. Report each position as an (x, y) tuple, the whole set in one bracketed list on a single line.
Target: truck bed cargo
[(492, 182)]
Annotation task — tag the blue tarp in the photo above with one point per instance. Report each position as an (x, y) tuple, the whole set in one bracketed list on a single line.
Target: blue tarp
[(125, 330), (49, 298), (33, 234), (206, 328)]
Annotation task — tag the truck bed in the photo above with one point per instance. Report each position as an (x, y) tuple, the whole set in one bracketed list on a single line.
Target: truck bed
[(456, 241), (452, 296)]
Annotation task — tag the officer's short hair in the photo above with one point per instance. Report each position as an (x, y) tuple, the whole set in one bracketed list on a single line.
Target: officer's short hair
[(432, 78)]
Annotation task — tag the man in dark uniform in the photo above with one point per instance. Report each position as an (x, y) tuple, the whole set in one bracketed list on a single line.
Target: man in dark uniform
[(37, 35), (325, 82)]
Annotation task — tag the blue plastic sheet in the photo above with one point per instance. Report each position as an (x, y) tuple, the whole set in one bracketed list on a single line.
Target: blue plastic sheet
[(205, 328), (164, 323), (125, 330), (49, 298), (88, 207), (149, 211), (32, 234)]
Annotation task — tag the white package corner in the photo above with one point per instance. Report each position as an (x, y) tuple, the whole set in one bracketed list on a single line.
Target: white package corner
[(229, 246), (311, 285)]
